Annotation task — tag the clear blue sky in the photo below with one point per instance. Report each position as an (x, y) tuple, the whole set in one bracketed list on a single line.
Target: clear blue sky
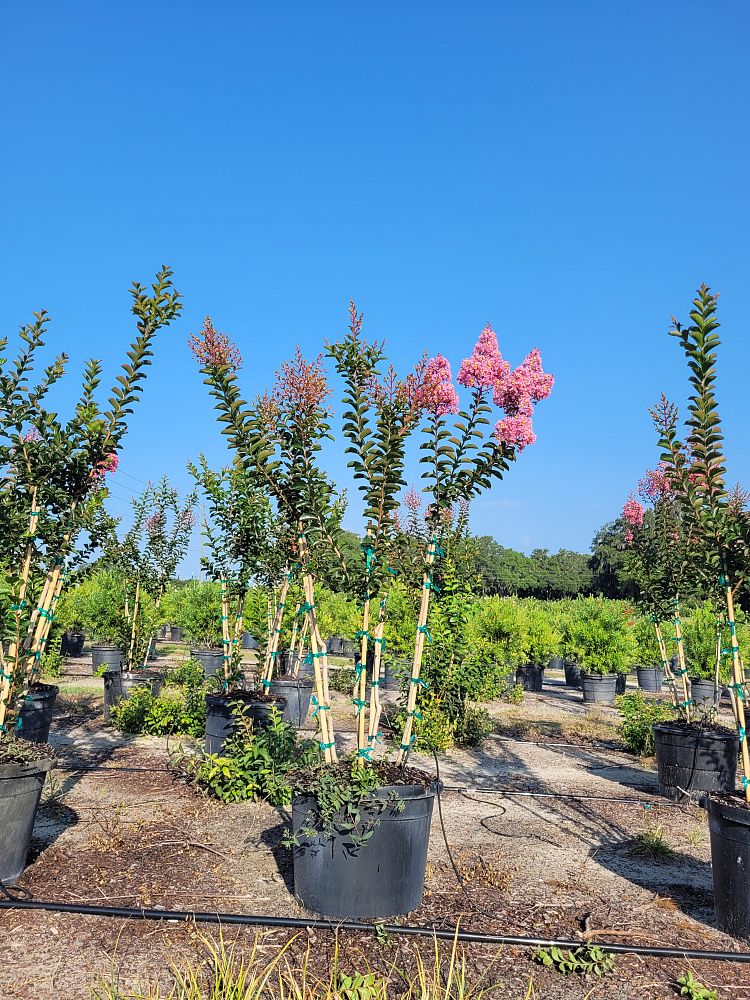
[(568, 172)]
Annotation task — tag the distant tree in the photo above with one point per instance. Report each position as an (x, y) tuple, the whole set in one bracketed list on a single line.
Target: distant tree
[(608, 562)]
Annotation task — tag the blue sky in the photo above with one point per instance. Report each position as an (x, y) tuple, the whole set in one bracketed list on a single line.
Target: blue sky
[(569, 173)]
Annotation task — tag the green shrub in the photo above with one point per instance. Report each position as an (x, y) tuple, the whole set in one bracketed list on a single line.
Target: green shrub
[(639, 714), (196, 609), (699, 634), (542, 639), (143, 713), (52, 661), (646, 652), (598, 637), (434, 726), (473, 726), (253, 764), (187, 674), (341, 679)]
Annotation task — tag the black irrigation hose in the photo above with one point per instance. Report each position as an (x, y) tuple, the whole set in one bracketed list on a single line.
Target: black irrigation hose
[(443, 934)]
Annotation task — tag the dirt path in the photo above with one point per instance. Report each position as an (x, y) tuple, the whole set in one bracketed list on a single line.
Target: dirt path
[(120, 831)]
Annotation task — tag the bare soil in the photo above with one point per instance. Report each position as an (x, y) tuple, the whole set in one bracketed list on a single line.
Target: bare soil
[(542, 821)]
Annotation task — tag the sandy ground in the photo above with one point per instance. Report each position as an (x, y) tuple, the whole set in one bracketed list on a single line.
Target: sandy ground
[(117, 829)]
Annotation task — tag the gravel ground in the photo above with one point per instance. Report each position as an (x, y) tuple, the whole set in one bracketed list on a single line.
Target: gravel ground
[(117, 829)]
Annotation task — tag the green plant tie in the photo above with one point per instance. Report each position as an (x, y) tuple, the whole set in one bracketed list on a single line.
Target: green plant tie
[(358, 668), (680, 671), (365, 754), (419, 682), (304, 608), (278, 631), (326, 746), (362, 633), (737, 686), (416, 715), (686, 704), (727, 652), (19, 606), (7, 676), (43, 613), (266, 683), (741, 731), (429, 585), (224, 618), (382, 641), (377, 738), (319, 707), (731, 628), (745, 782), (369, 551), (722, 580), (375, 683), (408, 746), (275, 653), (437, 549), (359, 703), (392, 571), (426, 632)]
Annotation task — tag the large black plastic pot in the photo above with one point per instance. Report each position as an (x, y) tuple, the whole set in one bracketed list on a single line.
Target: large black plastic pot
[(111, 657), (349, 648), (729, 827), (704, 694), (557, 663), (599, 688), (119, 684), (649, 678), (71, 643), (221, 718), (335, 646), (36, 711), (692, 762), (212, 660), (297, 693), (176, 634), (383, 877), (249, 641), (286, 663), (530, 677), (20, 790), (620, 682), (572, 674)]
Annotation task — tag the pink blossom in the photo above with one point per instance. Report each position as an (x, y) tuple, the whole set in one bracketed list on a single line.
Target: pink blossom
[(437, 394), (155, 523), (30, 436), (214, 349), (108, 464), (633, 512), (524, 386), (412, 500), (655, 484), (515, 431), (629, 536), (486, 366)]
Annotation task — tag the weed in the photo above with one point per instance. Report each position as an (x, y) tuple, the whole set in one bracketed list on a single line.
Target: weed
[(639, 715), (652, 844), (587, 959), (694, 990)]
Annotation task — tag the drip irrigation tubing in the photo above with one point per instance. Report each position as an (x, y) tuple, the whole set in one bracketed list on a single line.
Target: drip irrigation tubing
[(410, 930)]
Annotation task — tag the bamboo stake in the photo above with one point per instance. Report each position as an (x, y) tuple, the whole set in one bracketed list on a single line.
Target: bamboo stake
[(376, 707), (225, 640), (416, 669), (136, 609), (320, 671), (272, 650), (717, 663), (738, 684), (682, 672), (10, 664), (665, 663), (301, 648), (360, 684)]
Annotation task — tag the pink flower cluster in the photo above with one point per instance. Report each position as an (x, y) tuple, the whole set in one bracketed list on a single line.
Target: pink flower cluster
[(214, 349), (655, 484), (486, 367), (412, 500), (437, 394), (517, 394), (108, 464), (155, 523), (30, 436), (633, 512)]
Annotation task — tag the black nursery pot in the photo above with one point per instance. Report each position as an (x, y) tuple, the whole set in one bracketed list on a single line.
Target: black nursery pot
[(335, 645), (71, 644), (119, 684), (176, 634), (296, 692), (649, 678), (384, 876), (111, 657), (349, 648), (530, 677), (20, 790), (572, 674), (620, 682), (220, 717), (729, 827), (212, 660), (249, 641), (599, 689), (35, 715), (704, 694), (692, 762), (287, 663)]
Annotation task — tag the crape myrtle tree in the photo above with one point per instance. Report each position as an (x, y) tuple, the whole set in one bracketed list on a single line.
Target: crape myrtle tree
[(462, 457), (148, 556), (277, 440), (244, 546), (716, 519), (381, 410), (53, 476), (657, 560)]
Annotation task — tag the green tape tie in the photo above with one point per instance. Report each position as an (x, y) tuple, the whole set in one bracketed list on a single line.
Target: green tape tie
[(359, 703), (266, 683), (738, 686), (745, 782), (680, 671), (365, 754), (392, 571), (419, 681), (326, 746), (18, 607), (415, 715), (741, 732), (686, 704), (224, 618), (727, 652), (375, 683), (408, 746), (425, 630), (319, 707)]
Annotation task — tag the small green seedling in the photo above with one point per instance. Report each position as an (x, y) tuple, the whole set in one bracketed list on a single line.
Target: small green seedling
[(691, 988), (584, 960)]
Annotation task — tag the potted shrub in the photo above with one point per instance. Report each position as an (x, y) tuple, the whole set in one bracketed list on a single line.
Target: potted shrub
[(599, 640), (53, 487), (705, 636), (198, 614), (98, 603), (348, 816), (542, 640), (718, 524), (647, 655)]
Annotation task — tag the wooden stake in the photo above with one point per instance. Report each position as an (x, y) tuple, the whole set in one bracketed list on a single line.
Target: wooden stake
[(360, 685), (272, 651), (665, 664), (681, 659), (376, 707), (738, 684), (136, 609), (416, 669), (225, 640)]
